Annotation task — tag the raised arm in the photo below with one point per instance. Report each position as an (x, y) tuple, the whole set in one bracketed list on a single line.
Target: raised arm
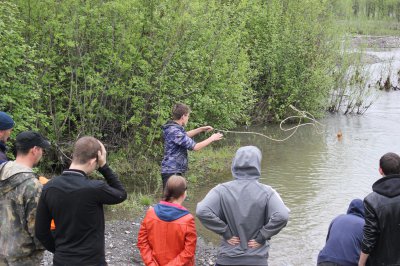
[(113, 192), (198, 130), (206, 142)]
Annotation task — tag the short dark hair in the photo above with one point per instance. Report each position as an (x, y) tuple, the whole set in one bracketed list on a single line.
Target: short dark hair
[(85, 148), (175, 187), (179, 110), (390, 163)]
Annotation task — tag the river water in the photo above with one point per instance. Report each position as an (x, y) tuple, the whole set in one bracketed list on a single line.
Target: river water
[(317, 174)]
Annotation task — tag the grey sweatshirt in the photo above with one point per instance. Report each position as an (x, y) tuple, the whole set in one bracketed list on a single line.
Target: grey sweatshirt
[(244, 208)]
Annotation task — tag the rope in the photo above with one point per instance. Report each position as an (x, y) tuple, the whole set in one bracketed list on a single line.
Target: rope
[(303, 115)]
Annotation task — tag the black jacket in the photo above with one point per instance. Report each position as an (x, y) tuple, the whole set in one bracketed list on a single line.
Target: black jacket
[(381, 234), (76, 204), (3, 149)]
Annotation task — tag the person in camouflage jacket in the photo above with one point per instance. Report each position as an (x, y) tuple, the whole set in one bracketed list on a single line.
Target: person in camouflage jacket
[(177, 142), (19, 195)]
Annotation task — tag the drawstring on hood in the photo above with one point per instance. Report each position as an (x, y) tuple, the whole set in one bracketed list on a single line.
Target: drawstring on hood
[(247, 163)]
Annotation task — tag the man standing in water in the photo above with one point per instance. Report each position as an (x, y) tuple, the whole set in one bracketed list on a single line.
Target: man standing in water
[(6, 126), (178, 141), (244, 212), (75, 202), (381, 234)]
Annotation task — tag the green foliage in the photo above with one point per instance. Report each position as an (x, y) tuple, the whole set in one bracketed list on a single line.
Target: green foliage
[(20, 94), (132, 207), (372, 9), (145, 200), (368, 17), (206, 164), (293, 46), (113, 69)]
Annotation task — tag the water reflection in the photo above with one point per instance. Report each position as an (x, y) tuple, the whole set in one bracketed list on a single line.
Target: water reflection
[(318, 175)]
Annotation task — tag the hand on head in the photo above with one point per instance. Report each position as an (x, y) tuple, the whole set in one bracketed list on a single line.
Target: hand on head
[(102, 155)]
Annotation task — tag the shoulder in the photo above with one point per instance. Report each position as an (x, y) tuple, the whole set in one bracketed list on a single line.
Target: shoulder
[(31, 185), (372, 198), (187, 219), (175, 130)]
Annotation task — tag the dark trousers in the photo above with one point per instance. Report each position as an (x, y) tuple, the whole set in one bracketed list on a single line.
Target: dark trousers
[(165, 177)]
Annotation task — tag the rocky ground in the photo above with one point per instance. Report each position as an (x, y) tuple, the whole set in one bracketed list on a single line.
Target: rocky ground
[(121, 250)]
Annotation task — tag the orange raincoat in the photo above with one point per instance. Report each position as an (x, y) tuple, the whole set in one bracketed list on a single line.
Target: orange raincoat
[(167, 243)]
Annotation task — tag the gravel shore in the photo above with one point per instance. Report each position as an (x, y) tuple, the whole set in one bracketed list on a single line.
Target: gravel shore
[(121, 250)]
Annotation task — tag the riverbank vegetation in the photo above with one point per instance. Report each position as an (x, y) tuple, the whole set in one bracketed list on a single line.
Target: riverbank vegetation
[(368, 17), (113, 69)]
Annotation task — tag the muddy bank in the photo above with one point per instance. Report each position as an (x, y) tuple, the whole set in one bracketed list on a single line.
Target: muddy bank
[(361, 42), (381, 42), (121, 250)]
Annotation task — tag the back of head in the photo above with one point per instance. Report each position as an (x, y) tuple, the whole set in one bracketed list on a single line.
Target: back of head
[(179, 110), (390, 163), (26, 140), (247, 163), (356, 207), (85, 148), (6, 122), (175, 187)]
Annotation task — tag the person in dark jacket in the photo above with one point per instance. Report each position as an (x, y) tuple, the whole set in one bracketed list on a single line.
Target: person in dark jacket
[(177, 142), (381, 234), (76, 204), (244, 212), (343, 242), (6, 126)]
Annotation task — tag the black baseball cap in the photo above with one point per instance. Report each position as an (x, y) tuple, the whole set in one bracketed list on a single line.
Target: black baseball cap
[(29, 139)]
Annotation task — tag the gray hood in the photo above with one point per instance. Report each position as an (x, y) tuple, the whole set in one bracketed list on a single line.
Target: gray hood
[(247, 163), (9, 177)]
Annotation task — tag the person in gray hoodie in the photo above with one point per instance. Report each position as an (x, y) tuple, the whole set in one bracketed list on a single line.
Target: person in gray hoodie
[(244, 212)]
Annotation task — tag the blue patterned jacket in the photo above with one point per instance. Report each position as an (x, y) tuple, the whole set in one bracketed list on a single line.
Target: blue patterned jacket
[(176, 144)]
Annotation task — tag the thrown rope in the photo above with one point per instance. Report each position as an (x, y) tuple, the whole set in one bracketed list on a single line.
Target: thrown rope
[(303, 115)]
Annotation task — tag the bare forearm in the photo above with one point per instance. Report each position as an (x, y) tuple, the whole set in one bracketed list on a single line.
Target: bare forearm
[(363, 259), (194, 132), (202, 144)]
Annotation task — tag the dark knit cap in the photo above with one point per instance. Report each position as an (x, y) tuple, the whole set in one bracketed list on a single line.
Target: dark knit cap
[(6, 122)]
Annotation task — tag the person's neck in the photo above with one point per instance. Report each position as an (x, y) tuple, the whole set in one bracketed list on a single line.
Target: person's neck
[(25, 161), (81, 167), (179, 201), (179, 122)]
